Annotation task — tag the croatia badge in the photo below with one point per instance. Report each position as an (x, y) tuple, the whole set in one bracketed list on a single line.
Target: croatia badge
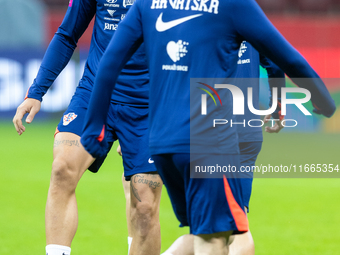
[(68, 118)]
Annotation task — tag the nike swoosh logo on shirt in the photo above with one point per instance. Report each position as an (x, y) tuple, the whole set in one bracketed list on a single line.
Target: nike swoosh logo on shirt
[(163, 26)]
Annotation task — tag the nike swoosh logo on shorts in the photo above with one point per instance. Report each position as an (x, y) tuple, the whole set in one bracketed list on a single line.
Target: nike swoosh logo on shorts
[(163, 26), (150, 161)]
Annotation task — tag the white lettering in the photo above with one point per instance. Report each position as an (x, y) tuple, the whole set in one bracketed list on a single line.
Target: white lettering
[(175, 67), (210, 6), (298, 102), (109, 26)]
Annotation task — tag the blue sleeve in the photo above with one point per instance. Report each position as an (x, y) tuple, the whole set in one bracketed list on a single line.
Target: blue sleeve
[(257, 29), (62, 46), (276, 79), (125, 41)]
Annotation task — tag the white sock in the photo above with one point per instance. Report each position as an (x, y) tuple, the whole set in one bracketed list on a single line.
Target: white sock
[(129, 243), (54, 249)]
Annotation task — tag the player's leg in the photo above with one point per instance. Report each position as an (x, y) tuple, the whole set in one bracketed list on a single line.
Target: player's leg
[(70, 160), (221, 224), (244, 244), (204, 215), (131, 127), (145, 190), (174, 183), (126, 187), (212, 244), (142, 214), (184, 245)]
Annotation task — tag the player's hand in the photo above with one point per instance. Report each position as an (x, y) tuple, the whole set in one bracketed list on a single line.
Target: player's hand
[(93, 146), (276, 128), (119, 150), (30, 106)]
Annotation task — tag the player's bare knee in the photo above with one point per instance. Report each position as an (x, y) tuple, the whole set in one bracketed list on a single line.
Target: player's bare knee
[(63, 175), (145, 196), (144, 210), (143, 216)]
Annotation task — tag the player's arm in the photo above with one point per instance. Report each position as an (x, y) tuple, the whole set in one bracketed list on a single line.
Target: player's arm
[(123, 44), (255, 27), (57, 55), (276, 79)]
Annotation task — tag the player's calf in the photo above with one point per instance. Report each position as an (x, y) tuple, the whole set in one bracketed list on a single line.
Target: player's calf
[(70, 162)]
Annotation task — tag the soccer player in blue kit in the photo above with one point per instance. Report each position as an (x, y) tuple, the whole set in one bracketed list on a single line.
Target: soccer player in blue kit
[(250, 139), (183, 40), (128, 123)]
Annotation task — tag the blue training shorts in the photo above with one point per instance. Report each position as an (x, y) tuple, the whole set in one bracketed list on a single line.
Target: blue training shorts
[(125, 123), (207, 205), (249, 152)]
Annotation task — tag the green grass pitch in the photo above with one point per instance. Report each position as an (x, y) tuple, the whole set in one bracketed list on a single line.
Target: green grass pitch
[(287, 215)]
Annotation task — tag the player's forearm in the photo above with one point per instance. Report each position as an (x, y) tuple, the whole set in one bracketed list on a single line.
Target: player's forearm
[(57, 55), (311, 81)]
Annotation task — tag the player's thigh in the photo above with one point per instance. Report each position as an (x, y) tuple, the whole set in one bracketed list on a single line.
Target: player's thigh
[(130, 125), (215, 204), (171, 172), (69, 154), (146, 188)]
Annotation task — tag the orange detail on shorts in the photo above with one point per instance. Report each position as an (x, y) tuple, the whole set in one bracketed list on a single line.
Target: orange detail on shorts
[(239, 215), (101, 136), (56, 131)]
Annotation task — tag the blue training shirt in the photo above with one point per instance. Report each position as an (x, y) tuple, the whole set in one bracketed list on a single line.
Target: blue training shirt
[(188, 39), (132, 86)]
